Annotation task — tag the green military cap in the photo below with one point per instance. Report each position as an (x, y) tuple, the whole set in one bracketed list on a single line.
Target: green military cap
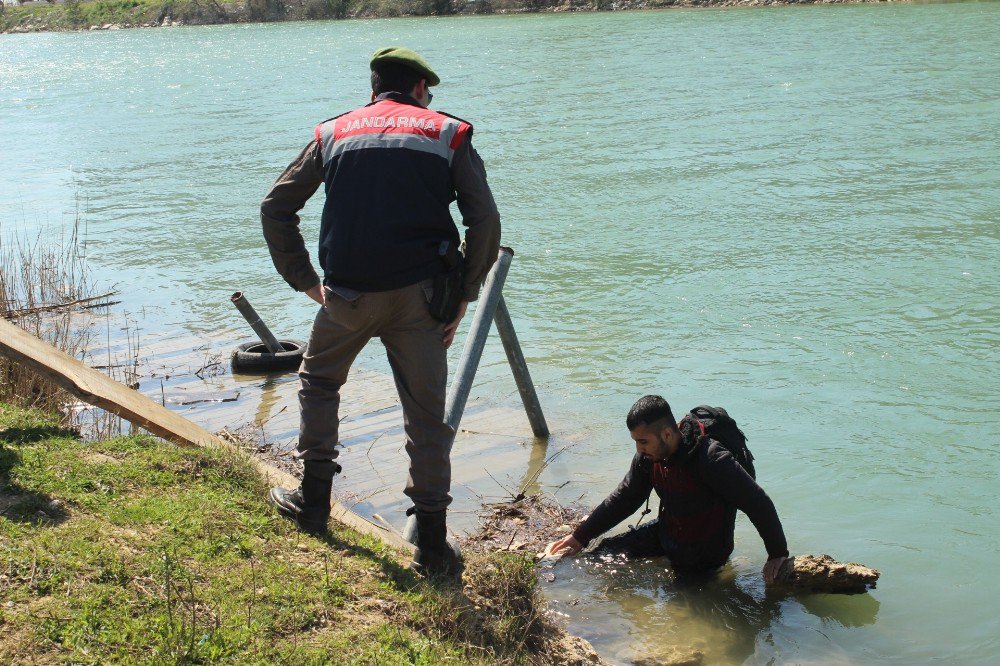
[(409, 58)]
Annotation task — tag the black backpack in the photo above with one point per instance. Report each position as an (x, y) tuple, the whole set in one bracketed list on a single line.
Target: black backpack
[(721, 427)]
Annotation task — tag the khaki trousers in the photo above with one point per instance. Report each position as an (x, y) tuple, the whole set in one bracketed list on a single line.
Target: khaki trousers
[(412, 340)]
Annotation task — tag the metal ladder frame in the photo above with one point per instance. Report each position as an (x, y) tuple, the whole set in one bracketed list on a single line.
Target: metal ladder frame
[(491, 307)]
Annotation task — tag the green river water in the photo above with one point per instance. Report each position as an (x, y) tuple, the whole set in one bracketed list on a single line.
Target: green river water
[(792, 212)]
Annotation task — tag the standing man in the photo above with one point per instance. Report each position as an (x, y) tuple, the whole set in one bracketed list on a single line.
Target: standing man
[(389, 170), (700, 484)]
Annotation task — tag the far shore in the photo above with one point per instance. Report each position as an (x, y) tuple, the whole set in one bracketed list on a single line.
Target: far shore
[(78, 16)]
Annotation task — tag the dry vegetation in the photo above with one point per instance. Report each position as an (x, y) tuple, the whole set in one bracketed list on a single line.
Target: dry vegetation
[(46, 289), (526, 524)]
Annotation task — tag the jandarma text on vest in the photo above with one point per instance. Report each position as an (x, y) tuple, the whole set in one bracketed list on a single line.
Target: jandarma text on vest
[(385, 122)]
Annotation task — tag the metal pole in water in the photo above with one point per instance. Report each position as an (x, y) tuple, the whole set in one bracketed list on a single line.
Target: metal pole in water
[(458, 395), (505, 327), (259, 327)]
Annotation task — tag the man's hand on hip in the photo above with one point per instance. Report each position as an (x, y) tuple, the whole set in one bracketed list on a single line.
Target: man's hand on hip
[(449, 330), (317, 293)]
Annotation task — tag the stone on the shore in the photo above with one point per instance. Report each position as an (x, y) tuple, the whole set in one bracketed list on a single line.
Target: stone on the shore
[(675, 657), (822, 573)]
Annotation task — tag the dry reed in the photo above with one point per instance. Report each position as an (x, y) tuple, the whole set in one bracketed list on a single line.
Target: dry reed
[(47, 289)]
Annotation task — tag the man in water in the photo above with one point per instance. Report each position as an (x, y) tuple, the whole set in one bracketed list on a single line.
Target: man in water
[(700, 485), (390, 170)]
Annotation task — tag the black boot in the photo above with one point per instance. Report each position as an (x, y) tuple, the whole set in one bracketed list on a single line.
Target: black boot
[(435, 555), (309, 504)]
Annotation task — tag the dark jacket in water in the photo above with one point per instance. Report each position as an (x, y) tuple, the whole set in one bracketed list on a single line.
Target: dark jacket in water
[(700, 488)]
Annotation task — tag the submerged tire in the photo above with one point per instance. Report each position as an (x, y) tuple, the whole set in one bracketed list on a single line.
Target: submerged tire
[(254, 357)]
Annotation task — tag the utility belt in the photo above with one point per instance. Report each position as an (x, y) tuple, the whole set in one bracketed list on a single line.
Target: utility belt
[(448, 284)]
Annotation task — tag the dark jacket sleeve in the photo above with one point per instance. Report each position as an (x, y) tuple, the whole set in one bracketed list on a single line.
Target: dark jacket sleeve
[(479, 215), (727, 477), (280, 220), (620, 504)]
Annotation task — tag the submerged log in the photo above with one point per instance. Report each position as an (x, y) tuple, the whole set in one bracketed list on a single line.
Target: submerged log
[(822, 573)]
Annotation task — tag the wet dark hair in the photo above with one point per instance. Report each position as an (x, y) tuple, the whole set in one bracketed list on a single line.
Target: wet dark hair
[(394, 77), (649, 410)]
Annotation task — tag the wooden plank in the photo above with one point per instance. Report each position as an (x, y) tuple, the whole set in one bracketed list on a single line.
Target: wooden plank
[(99, 390)]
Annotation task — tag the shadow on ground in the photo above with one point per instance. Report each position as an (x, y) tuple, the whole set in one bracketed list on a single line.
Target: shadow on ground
[(20, 504)]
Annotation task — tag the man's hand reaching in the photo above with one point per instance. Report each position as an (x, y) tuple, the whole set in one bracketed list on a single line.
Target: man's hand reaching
[(565, 546), (772, 568)]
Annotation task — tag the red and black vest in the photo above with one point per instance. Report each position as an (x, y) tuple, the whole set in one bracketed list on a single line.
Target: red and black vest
[(696, 524), (387, 173)]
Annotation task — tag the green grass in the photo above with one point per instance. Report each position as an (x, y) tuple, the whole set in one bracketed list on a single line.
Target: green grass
[(132, 550)]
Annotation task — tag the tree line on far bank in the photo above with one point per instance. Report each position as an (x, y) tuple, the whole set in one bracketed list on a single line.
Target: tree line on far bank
[(82, 15)]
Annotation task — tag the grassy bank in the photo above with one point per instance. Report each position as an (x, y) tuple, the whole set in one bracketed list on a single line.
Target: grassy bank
[(134, 550), (114, 14)]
